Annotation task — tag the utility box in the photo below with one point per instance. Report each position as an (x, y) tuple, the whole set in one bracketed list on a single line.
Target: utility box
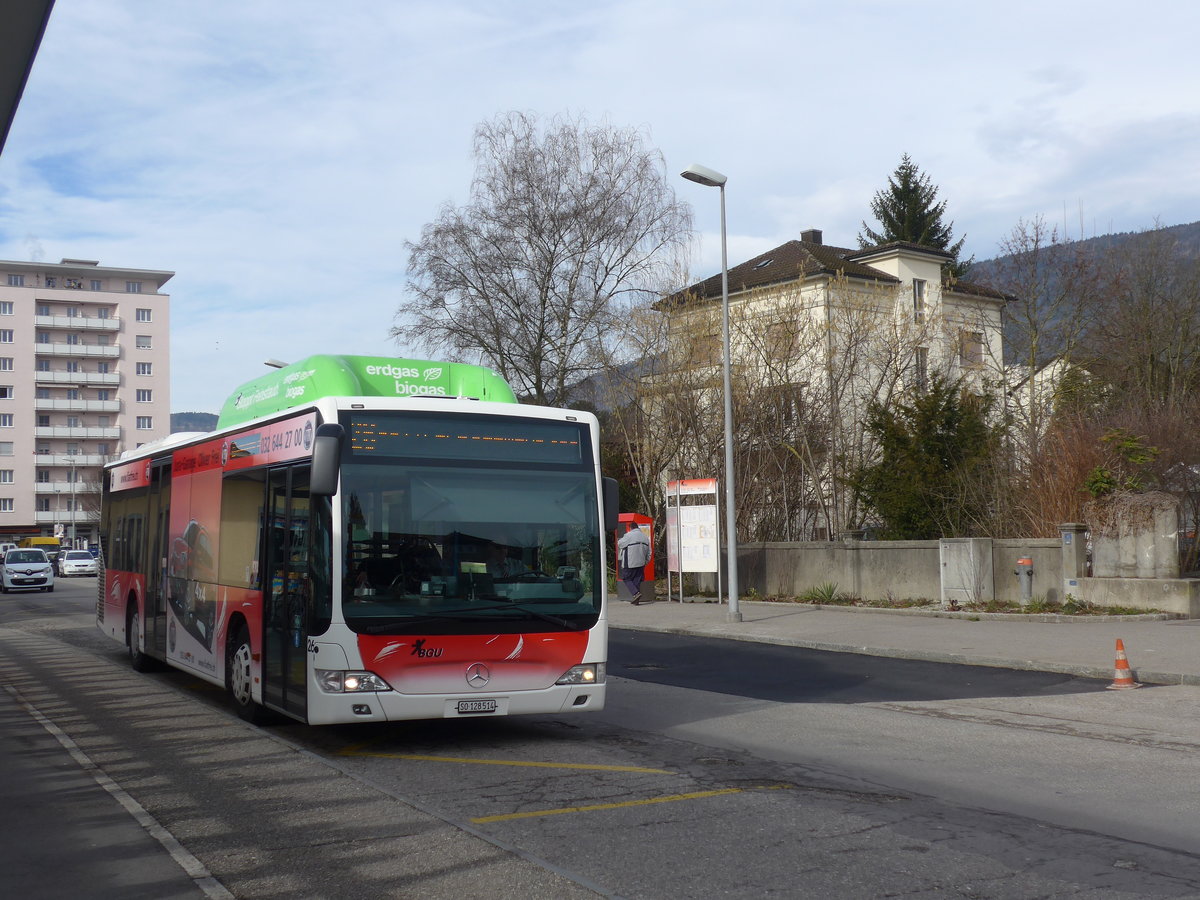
[(626, 522), (967, 571)]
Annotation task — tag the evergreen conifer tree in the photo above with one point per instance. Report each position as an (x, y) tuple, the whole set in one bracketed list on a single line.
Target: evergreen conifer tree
[(908, 211)]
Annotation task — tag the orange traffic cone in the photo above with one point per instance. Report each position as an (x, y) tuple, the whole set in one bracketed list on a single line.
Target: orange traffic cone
[(1123, 679)]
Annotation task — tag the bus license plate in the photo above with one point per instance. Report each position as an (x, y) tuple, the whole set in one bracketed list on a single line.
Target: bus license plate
[(476, 706)]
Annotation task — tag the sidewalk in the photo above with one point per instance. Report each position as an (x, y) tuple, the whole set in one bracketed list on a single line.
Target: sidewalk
[(1159, 651)]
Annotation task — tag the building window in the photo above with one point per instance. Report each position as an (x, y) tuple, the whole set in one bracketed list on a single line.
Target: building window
[(51, 281), (971, 351), (6, 392), (102, 312), (142, 342), (72, 449), (43, 337), (6, 476), (918, 297), (43, 420), (6, 504), (72, 312), (145, 423), (6, 308), (104, 421), (6, 448), (144, 368), (41, 393), (103, 340), (103, 395), (72, 339), (43, 365), (43, 504), (922, 366), (72, 421), (6, 363), (16, 281), (96, 285), (6, 336), (72, 393), (6, 420), (133, 287), (144, 315), (102, 368), (103, 449), (72, 365), (43, 476), (144, 395), (43, 309)]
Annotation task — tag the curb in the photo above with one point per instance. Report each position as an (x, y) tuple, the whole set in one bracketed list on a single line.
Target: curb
[(1050, 618)]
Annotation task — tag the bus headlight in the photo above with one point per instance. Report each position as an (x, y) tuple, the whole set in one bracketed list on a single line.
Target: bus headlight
[(335, 681), (589, 673)]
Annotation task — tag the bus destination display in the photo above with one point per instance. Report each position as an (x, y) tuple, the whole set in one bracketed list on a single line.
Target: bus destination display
[(468, 438)]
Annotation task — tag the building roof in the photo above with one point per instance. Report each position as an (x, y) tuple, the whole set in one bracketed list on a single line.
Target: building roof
[(802, 259), (24, 24), (86, 268)]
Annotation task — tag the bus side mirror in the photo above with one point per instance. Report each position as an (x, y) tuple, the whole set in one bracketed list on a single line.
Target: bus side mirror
[(326, 460), (612, 504)]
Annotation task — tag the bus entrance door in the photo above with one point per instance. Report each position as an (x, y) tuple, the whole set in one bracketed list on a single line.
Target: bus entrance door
[(285, 651)]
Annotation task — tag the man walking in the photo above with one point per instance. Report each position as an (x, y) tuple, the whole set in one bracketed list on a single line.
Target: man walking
[(633, 553)]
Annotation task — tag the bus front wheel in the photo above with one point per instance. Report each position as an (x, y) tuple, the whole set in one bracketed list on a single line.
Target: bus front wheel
[(238, 677)]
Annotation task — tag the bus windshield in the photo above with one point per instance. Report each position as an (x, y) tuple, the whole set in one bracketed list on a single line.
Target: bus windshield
[(487, 546)]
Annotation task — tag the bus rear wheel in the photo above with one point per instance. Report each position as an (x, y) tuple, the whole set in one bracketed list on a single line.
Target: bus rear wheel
[(138, 660), (238, 678)]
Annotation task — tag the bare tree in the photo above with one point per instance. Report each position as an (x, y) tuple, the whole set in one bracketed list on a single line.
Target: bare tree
[(1051, 282), (1144, 343), (569, 227)]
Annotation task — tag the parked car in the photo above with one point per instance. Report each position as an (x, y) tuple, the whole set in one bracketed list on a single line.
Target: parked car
[(76, 562), (26, 569)]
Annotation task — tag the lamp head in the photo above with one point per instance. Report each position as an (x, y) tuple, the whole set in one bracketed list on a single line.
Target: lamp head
[(703, 175)]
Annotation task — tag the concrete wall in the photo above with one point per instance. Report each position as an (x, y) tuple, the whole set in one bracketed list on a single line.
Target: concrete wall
[(1180, 596), (877, 569), (912, 570)]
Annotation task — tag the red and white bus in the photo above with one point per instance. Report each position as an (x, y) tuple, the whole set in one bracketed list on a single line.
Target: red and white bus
[(368, 539)]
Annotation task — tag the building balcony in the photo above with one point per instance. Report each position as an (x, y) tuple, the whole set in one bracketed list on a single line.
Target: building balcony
[(78, 323), (79, 432), (84, 378), (63, 488), (107, 351), (79, 460), (66, 517), (78, 405)]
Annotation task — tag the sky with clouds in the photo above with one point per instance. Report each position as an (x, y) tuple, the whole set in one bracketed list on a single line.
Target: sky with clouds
[(277, 154)]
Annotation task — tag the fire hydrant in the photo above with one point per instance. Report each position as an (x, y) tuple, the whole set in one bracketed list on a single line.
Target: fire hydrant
[(1024, 573)]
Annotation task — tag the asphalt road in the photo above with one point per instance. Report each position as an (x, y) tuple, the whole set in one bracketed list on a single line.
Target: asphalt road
[(783, 674), (717, 770)]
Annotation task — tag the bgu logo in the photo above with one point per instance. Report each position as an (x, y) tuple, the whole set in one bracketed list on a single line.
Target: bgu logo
[(420, 651)]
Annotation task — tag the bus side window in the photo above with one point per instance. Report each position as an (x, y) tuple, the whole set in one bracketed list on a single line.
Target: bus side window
[(242, 496)]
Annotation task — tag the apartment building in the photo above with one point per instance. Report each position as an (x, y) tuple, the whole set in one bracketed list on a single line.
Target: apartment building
[(84, 375)]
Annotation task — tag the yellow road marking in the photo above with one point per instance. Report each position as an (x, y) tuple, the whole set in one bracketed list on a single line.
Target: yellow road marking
[(353, 751), (698, 795)]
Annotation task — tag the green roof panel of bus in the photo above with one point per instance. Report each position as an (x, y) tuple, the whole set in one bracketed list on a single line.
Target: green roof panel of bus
[(359, 376)]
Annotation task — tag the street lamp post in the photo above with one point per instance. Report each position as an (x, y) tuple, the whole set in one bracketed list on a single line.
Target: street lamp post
[(711, 178), (72, 544)]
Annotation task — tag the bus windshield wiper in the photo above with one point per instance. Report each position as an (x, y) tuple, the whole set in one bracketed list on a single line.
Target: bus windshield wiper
[(466, 614)]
